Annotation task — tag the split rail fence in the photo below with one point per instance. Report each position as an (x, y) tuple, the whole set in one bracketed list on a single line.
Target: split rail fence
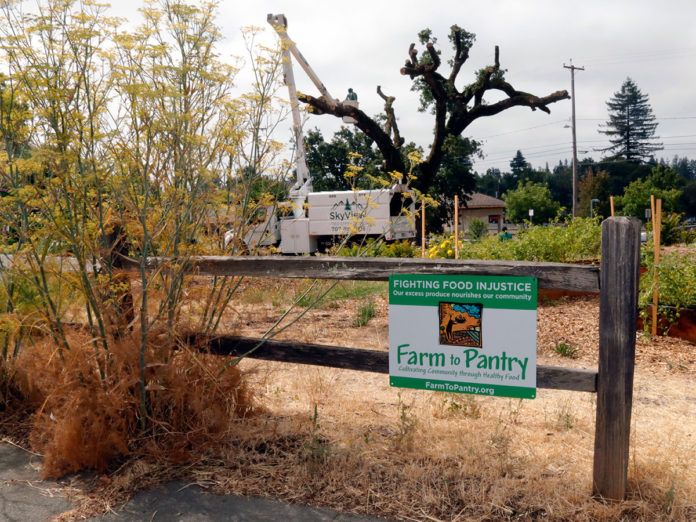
[(616, 280)]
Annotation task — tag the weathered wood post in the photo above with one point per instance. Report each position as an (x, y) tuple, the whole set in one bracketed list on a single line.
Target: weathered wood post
[(113, 259), (618, 314)]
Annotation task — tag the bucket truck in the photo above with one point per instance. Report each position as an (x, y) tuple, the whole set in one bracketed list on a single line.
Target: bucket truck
[(320, 216)]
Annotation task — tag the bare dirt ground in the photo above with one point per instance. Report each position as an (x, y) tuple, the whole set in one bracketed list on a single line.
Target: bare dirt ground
[(349, 441)]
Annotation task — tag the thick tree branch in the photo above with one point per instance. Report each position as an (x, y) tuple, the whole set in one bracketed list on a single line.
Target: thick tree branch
[(433, 56), (439, 135), (414, 69), (438, 89), (477, 89), (428, 71), (413, 56), (391, 153), (485, 79), (518, 99)]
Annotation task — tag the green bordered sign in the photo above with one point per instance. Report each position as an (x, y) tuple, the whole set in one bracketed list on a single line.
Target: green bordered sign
[(466, 334)]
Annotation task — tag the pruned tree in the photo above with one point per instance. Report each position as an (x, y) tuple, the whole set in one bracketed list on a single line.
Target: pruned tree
[(454, 108)]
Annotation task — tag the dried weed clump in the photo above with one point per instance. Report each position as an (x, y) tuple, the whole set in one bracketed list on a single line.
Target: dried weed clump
[(87, 410)]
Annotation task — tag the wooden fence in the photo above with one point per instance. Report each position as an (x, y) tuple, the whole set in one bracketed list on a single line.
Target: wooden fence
[(616, 280)]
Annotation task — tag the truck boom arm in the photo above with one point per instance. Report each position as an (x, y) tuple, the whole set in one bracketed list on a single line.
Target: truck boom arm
[(280, 24), (303, 186)]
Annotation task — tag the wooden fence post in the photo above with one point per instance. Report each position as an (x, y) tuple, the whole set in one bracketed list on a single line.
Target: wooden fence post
[(618, 314)]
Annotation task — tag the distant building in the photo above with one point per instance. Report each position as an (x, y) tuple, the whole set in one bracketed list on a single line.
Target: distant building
[(488, 209)]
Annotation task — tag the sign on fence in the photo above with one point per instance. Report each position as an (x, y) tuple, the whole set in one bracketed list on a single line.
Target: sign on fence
[(466, 334)]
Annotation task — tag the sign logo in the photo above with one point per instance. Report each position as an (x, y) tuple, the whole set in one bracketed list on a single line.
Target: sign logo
[(344, 210), (460, 324)]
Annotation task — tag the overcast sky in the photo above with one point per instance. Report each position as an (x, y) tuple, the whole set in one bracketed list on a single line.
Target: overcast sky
[(362, 44)]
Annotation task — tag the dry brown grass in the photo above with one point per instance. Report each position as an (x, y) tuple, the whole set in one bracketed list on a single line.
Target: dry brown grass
[(82, 420), (417, 455), (411, 455)]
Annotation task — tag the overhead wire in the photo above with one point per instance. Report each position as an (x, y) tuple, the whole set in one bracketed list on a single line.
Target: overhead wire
[(613, 59), (498, 156)]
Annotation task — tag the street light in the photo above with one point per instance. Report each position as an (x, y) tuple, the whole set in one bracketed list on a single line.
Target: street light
[(592, 202)]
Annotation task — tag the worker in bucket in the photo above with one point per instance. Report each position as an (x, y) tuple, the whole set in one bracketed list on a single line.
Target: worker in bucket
[(351, 95)]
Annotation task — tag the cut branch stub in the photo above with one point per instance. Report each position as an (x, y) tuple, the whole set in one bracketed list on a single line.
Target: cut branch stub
[(433, 56), (390, 127), (413, 54)]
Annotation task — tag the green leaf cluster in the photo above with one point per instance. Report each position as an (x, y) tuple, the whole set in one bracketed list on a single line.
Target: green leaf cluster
[(663, 183), (373, 248)]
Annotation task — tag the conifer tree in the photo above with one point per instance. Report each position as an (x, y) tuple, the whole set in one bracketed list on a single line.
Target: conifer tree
[(631, 125), (518, 164)]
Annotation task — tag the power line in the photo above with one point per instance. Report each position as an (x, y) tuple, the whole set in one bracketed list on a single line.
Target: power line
[(641, 57), (501, 156), (581, 143), (521, 130), (674, 137), (488, 161), (552, 148)]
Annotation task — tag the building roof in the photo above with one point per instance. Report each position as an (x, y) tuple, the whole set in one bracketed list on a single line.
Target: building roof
[(478, 200)]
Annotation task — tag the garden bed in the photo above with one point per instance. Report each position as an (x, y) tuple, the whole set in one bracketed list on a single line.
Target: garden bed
[(682, 327)]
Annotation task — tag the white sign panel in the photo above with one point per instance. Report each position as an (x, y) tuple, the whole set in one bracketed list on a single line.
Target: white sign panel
[(467, 334)]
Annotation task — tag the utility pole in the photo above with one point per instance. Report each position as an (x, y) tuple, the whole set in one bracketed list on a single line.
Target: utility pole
[(575, 144)]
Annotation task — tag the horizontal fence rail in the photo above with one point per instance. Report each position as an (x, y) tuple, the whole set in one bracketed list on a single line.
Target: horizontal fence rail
[(553, 276), (558, 276), (360, 359)]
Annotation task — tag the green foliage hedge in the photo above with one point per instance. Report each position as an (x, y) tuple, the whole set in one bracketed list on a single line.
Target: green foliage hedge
[(372, 248), (563, 242), (566, 242)]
